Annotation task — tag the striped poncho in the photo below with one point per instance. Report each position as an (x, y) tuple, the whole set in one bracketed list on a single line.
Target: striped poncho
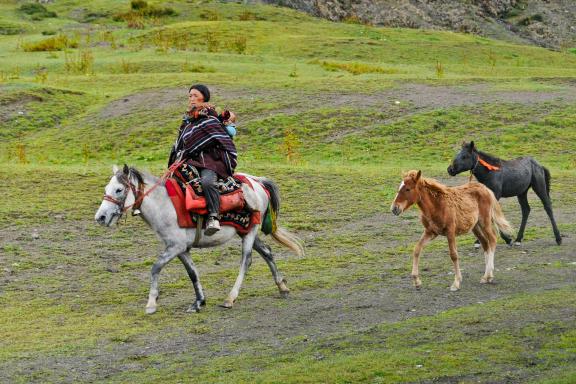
[(204, 143)]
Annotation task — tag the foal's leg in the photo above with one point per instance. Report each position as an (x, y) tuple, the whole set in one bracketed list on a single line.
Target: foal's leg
[(487, 242), (247, 244), (163, 259), (540, 189), (523, 200), (194, 277), (424, 239), (454, 256), (266, 253)]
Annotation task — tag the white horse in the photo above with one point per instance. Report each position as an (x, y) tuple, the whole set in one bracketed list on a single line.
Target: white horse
[(127, 187)]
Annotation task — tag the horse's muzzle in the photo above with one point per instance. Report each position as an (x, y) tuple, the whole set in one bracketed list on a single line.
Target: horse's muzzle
[(396, 210), (451, 171)]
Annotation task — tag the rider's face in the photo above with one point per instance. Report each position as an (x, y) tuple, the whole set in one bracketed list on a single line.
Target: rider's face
[(195, 97)]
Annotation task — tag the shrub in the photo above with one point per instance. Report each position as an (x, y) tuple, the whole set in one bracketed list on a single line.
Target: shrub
[(56, 43), (138, 4), (36, 11), (10, 29)]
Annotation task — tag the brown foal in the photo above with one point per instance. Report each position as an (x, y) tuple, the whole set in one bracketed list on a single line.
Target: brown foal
[(452, 211)]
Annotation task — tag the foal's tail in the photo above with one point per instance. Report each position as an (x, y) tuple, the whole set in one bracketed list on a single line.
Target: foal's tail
[(500, 223), (278, 233)]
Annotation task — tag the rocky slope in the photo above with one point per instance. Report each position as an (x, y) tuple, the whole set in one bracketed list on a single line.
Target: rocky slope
[(549, 23)]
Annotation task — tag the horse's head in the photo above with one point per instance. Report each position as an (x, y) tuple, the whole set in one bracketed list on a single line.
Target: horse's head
[(465, 160), (116, 194), (407, 192)]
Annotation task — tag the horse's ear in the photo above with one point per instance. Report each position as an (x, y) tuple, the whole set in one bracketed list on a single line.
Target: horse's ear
[(114, 169), (418, 175), (126, 170)]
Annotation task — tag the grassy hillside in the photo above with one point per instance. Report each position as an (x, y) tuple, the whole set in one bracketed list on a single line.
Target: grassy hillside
[(333, 112)]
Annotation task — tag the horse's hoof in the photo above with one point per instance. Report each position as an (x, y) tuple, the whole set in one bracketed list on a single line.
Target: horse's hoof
[(194, 308), (227, 304), (517, 243), (559, 241), (417, 286), (454, 288), (486, 280), (150, 310), (476, 245), (284, 294)]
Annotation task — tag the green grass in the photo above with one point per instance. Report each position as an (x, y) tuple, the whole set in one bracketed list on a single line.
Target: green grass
[(75, 293)]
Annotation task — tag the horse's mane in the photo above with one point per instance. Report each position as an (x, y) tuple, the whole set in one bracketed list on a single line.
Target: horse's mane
[(138, 175), (490, 158)]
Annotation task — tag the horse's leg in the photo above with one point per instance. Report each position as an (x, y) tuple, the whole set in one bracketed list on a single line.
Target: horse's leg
[(523, 200), (266, 253), (454, 256), (165, 257), (247, 245), (540, 189), (194, 277), (424, 239)]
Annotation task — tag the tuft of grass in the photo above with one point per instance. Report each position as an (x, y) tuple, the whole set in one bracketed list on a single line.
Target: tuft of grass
[(355, 68)]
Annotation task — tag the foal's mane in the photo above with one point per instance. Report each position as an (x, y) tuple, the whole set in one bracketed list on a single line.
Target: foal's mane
[(434, 187)]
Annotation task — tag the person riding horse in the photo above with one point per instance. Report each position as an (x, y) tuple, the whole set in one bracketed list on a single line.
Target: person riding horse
[(204, 143)]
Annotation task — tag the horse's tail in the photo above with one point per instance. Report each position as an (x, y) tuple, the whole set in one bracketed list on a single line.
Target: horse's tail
[(500, 223), (547, 177), (279, 234)]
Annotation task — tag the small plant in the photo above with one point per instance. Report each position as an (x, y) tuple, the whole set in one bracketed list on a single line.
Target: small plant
[(439, 70), (21, 154), (492, 59), (246, 16), (291, 145), (128, 67), (40, 74), (212, 42), (209, 15), (80, 63), (85, 153), (294, 72), (238, 44)]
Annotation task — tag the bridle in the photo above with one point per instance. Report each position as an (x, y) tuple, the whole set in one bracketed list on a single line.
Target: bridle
[(137, 191)]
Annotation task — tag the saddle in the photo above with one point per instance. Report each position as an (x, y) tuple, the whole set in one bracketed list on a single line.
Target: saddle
[(238, 203)]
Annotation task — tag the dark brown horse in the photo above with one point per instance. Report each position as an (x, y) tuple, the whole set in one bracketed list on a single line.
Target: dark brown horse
[(452, 211)]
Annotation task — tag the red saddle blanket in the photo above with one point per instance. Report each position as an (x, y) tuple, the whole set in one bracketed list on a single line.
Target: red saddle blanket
[(190, 206)]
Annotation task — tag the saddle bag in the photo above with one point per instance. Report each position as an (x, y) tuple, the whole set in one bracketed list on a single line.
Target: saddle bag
[(233, 201)]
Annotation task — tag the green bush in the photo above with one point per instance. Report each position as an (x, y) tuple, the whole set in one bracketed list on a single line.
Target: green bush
[(10, 29), (37, 11)]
